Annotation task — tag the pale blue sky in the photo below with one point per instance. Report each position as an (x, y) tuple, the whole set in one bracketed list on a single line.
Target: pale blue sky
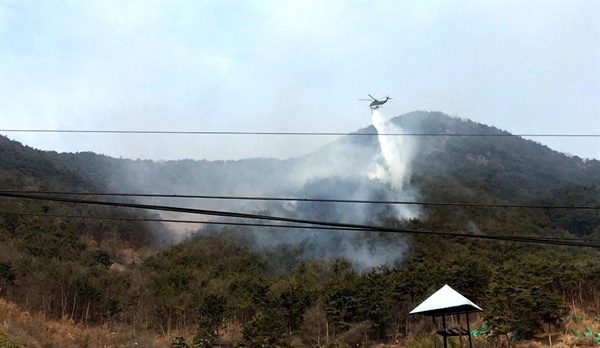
[(526, 67)]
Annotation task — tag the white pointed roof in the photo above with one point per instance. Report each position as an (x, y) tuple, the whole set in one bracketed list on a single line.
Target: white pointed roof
[(445, 300)]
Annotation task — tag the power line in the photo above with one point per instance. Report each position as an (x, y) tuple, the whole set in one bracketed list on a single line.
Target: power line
[(315, 200), (246, 224), (366, 228), (289, 133), (532, 239), (203, 222)]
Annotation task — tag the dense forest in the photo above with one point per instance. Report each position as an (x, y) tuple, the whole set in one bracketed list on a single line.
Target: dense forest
[(123, 268)]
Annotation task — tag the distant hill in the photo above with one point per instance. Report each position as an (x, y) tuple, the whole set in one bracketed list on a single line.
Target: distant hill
[(33, 169), (490, 153), (451, 159), (474, 163)]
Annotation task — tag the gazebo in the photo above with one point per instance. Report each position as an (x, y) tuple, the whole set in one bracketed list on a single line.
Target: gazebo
[(447, 301)]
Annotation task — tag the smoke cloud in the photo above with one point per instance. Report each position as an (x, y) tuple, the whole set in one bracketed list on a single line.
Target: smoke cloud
[(369, 168), (350, 169)]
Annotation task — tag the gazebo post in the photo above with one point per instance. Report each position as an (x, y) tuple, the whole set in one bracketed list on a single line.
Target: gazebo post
[(434, 337), (460, 338), (444, 325), (469, 330)]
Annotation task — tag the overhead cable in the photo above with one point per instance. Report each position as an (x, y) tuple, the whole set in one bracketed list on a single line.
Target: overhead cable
[(366, 228), (203, 222), (299, 199), (246, 224)]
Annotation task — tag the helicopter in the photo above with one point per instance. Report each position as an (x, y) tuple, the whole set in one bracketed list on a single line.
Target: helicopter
[(376, 104)]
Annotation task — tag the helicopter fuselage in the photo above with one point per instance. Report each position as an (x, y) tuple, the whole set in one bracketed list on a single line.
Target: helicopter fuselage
[(377, 103)]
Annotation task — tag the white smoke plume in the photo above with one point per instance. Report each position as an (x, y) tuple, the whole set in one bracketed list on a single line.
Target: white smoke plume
[(394, 166), (354, 170), (396, 151)]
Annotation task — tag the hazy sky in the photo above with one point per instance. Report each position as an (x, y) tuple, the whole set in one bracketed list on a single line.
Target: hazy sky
[(267, 66)]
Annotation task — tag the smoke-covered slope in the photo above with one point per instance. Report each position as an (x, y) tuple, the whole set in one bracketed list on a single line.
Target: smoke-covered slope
[(498, 166), (521, 168), (443, 159), (517, 165)]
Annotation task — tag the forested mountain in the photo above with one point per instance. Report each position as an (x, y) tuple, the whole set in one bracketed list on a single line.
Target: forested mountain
[(251, 285)]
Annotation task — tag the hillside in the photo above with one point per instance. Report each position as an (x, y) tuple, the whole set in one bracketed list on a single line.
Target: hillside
[(520, 166), (492, 167), (105, 266), (49, 249)]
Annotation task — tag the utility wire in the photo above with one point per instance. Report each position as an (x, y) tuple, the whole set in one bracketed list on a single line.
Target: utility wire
[(290, 133), (204, 222), (210, 222), (366, 228), (297, 199)]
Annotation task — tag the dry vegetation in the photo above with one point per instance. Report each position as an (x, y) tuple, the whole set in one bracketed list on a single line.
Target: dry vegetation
[(34, 331), (22, 329)]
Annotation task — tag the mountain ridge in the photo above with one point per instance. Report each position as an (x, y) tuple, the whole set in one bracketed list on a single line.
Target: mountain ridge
[(415, 122)]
